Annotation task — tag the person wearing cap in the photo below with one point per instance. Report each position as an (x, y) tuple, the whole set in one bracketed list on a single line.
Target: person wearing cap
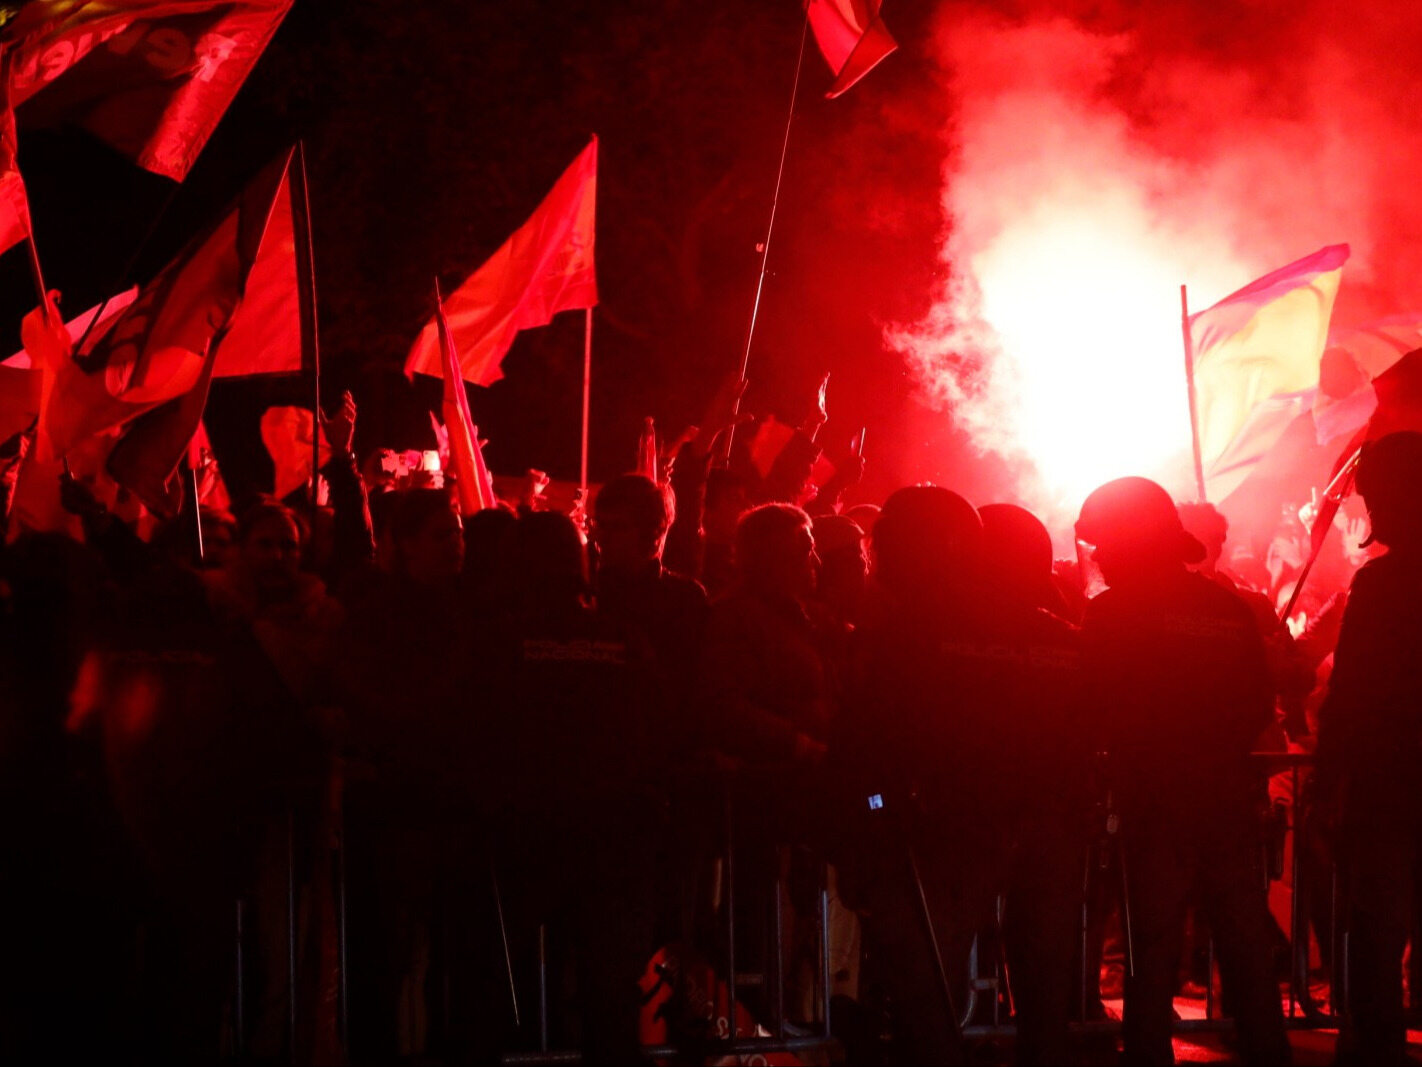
[(1370, 749), (1179, 679)]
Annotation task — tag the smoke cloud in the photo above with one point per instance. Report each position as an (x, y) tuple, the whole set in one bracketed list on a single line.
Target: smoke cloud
[(1098, 158)]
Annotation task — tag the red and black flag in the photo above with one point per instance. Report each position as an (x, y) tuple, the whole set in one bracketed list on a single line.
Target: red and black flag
[(150, 371), (150, 78)]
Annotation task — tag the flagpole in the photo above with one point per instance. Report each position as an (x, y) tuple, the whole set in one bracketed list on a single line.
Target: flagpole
[(769, 231), (197, 507), (306, 303), (1189, 341), (36, 272), (587, 399), (1339, 487)]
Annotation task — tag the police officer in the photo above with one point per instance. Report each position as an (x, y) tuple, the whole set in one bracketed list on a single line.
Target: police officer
[(958, 685), (1178, 673), (1370, 747)]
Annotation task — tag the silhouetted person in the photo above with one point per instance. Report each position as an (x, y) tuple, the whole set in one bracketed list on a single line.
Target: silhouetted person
[(1178, 671), (1292, 673), (1054, 753), (844, 568), (583, 754), (727, 498), (666, 612), (415, 690), (1370, 749), (1019, 558), (763, 676), (953, 727)]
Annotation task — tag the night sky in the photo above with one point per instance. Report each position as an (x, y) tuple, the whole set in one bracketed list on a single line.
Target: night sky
[(433, 130)]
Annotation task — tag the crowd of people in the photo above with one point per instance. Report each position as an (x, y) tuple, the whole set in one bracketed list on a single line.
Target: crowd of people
[(522, 729)]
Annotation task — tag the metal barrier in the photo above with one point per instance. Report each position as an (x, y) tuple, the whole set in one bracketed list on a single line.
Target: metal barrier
[(1302, 1012), (772, 979), (989, 987)]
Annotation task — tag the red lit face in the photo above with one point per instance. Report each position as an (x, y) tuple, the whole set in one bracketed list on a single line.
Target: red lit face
[(271, 555)]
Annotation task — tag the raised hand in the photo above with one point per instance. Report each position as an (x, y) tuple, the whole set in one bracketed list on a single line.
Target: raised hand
[(340, 427)]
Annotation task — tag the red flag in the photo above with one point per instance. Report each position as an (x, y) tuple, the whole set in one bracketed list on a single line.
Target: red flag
[(19, 399), (544, 268), (151, 78), (159, 354), (79, 326), (851, 37), (202, 460), (14, 204), (265, 335), (486, 478), (459, 423), (176, 328), (286, 433)]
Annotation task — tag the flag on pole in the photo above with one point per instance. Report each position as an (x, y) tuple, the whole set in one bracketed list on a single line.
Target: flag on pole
[(78, 326), (544, 268), (265, 334), (852, 38), (486, 477), (1263, 341), (459, 423), (1265, 427), (191, 314), (150, 78), (151, 369), (163, 346)]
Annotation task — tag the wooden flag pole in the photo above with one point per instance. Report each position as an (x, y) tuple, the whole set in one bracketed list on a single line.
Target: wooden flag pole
[(587, 401), (1190, 387), (306, 303), (769, 232)]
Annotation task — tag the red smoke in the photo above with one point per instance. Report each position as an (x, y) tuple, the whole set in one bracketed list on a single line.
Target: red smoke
[(1098, 157)]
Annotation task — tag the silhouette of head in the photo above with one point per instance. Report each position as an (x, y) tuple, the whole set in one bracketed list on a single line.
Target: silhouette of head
[(775, 551), (427, 535), (269, 550), (1387, 480), (927, 542), (839, 543), (1135, 530), (727, 499), (864, 516), (1017, 556), (1205, 523), (631, 516), (544, 564)]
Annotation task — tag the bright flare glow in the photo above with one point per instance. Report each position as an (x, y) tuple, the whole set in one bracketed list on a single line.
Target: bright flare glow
[(1089, 174), (1084, 308)]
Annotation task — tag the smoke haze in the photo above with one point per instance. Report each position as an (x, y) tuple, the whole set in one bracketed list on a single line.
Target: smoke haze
[(1100, 155)]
